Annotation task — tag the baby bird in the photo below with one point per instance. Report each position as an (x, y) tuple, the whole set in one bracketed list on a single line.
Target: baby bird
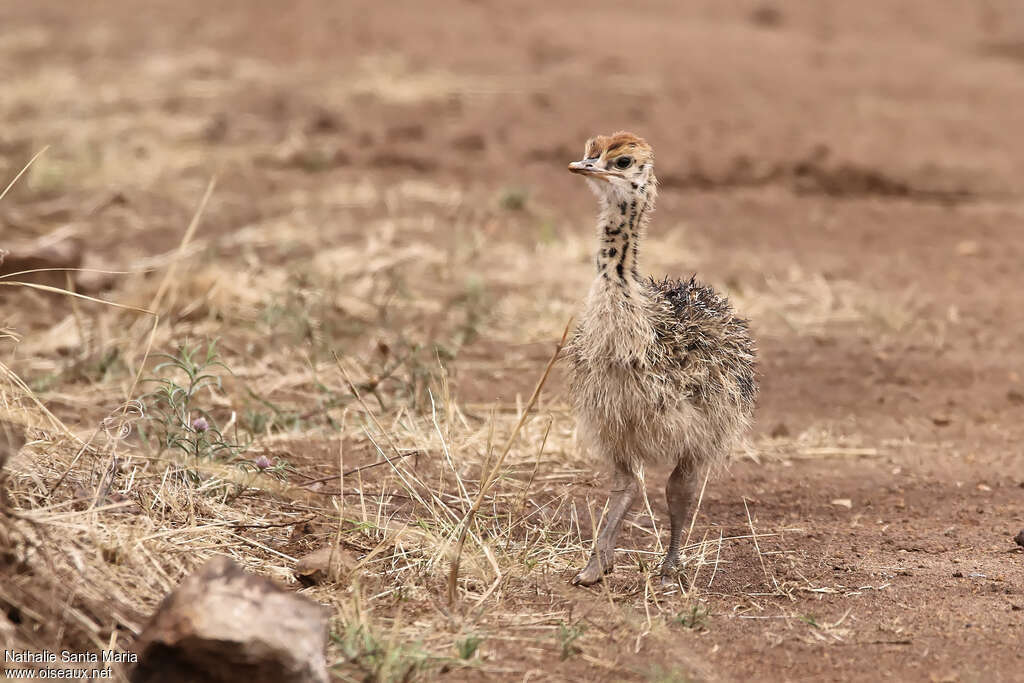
[(661, 370)]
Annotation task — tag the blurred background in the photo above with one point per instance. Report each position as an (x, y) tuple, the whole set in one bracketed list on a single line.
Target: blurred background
[(848, 174), (391, 186)]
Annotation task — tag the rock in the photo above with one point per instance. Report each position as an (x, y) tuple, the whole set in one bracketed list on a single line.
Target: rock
[(222, 625), (1019, 538), (51, 251), (779, 431), (327, 563), (62, 251)]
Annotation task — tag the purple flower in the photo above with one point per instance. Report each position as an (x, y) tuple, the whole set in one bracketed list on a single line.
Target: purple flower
[(263, 462), (200, 424)]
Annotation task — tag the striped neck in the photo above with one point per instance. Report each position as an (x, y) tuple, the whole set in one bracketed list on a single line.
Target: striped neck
[(620, 227)]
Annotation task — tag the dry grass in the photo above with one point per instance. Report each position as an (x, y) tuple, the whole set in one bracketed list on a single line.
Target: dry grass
[(111, 507), (347, 406)]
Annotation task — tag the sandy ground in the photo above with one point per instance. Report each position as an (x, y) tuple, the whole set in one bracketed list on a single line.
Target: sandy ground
[(849, 172)]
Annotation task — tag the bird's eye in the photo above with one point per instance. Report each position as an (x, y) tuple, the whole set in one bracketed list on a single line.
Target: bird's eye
[(624, 162)]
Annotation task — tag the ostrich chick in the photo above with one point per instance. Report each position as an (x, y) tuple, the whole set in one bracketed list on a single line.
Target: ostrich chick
[(661, 371)]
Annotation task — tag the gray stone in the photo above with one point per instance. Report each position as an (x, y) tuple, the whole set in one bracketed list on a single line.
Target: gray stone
[(223, 625)]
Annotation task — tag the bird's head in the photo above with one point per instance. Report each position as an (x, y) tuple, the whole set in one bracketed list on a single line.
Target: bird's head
[(617, 166)]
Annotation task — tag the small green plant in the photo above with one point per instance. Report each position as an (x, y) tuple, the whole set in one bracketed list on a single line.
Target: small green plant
[(567, 636), (368, 657), (696, 618), (476, 308), (468, 646), (279, 468), (306, 312), (93, 368), (107, 364), (513, 199), (276, 420), (174, 418)]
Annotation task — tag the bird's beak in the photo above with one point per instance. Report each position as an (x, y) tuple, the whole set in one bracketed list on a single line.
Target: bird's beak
[(587, 168)]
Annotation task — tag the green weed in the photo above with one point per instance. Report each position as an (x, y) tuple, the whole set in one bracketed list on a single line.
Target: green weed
[(567, 636), (175, 420), (513, 199), (696, 618), (468, 646), (369, 657)]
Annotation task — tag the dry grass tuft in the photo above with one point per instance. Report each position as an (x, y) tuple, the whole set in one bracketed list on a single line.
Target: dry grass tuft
[(312, 381)]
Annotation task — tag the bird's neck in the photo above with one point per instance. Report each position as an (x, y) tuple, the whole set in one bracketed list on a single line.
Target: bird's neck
[(620, 227), (616, 320)]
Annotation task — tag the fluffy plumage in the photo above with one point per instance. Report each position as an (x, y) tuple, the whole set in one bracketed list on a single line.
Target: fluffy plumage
[(668, 376), (661, 370)]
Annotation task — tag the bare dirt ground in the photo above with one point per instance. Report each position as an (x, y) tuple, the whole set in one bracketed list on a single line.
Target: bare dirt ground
[(391, 187)]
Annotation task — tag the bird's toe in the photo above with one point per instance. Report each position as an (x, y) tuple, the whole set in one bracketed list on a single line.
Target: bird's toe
[(587, 577), (595, 570)]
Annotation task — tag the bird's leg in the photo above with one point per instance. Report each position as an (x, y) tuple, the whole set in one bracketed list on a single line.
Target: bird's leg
[(625, 487), (680, 492)]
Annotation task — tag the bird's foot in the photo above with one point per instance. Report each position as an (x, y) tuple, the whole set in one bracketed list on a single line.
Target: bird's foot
[(669, 575), (594, 571)]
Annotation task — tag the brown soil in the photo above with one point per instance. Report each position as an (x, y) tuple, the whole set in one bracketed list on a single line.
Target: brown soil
[(849, 171)]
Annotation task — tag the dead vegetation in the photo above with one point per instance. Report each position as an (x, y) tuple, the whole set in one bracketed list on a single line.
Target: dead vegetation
[(352, 319), (320, 411)]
